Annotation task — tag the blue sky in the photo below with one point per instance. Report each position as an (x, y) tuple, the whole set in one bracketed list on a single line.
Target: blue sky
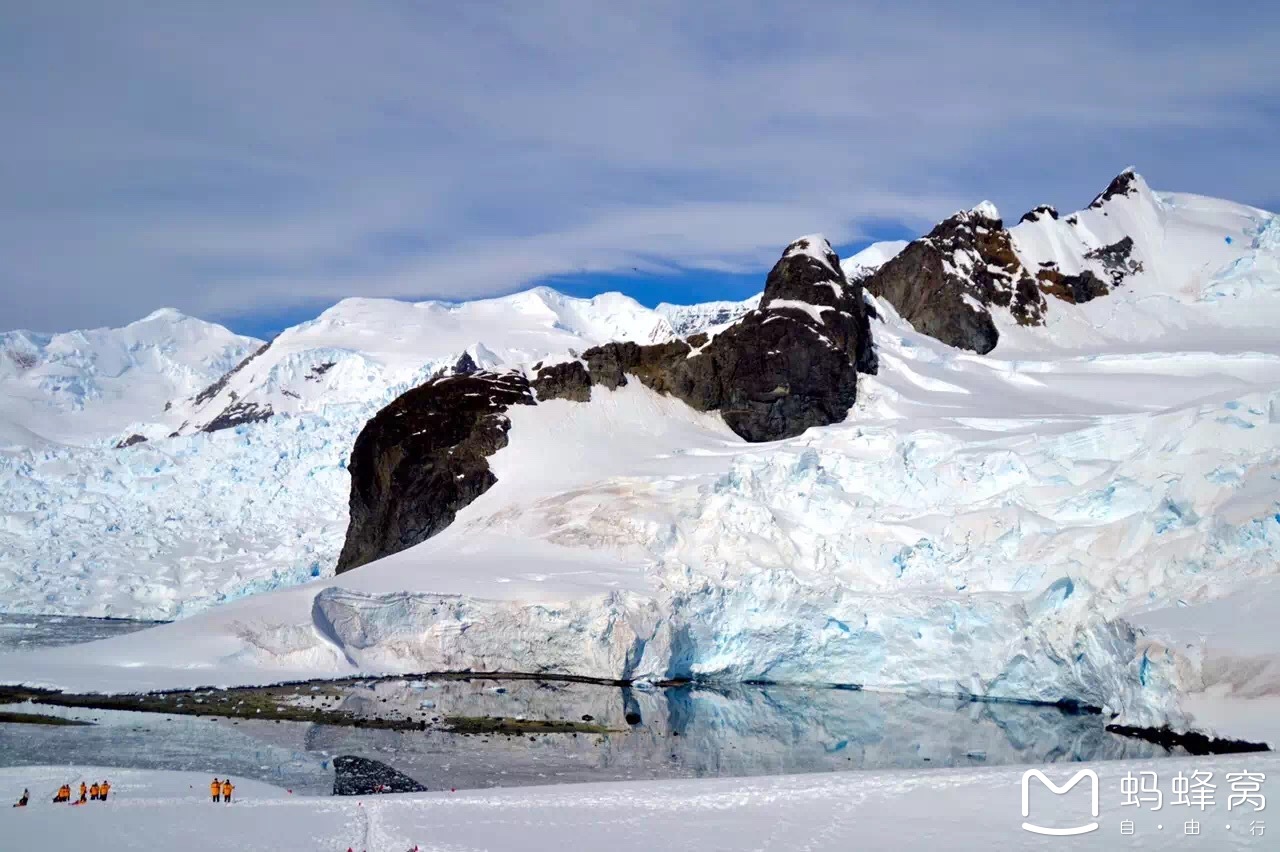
[(253, 165)]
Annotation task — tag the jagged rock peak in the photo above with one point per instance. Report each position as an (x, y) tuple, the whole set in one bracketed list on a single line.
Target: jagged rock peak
[(1124, 184), (945, 283), (1040, 211), (808, 272)]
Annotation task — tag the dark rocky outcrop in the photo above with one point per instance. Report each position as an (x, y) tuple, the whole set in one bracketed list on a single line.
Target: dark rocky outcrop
[(568, 380), (1124, 183), (1117, 263), (238, 413), (216, 388), (314, 374), (782, 368), (786, 366), (1076, 289), (944, 283), (1117, 259), (424, 457), (464, 366), (1039, 211), (130, 441)]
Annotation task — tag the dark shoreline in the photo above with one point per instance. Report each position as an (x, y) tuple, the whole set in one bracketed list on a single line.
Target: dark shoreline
[(175, 702)]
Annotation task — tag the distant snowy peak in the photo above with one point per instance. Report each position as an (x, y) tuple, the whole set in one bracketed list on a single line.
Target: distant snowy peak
[(83, 387), (971, 281), (686, 320), (859, 266), (366, 351)]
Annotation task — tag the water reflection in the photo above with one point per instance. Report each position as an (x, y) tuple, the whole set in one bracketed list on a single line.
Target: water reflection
[(683, 732)]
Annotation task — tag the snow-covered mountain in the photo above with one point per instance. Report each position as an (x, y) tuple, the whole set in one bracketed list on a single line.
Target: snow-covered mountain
[(85, 387), (1074, 430), (171, 525), (358, 349), (690, 319)]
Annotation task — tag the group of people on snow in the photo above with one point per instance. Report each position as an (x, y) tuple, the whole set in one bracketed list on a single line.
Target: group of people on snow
[(222, 790), (98, 792), (95, 793)]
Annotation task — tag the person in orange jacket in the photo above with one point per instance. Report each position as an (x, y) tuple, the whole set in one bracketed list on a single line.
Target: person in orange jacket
[(103, 789), (227, 788), (64, 793), (84, 793), (215, 790), (93, 791)]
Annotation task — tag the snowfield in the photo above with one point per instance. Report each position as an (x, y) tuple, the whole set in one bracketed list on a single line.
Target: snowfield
[(952, 809), (995, 526)]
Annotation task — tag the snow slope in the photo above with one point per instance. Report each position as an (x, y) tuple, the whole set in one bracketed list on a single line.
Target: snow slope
[(87, 387), (1206, 274), (953, 809), (174, 525)]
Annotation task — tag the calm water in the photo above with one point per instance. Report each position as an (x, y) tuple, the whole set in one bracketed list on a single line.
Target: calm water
[(24, 632), (682, 732)]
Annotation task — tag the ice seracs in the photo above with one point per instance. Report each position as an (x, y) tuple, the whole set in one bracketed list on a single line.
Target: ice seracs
[(87, 387)]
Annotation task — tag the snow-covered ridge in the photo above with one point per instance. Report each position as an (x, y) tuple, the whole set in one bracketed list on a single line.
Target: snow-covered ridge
[(85, 387), (355, 350), (687, 320)]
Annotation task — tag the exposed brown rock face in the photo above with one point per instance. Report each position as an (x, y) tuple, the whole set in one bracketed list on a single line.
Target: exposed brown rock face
[(782, 368), (424, 457), (563, 381), (1121, 184), (944, 283)]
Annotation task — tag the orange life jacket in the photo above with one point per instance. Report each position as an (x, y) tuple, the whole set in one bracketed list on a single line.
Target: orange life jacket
[(227, 788), (215, 788), (93, 790), (105, 788)]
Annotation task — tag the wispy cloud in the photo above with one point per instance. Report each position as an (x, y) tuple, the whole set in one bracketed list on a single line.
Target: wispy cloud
[(226, 159)]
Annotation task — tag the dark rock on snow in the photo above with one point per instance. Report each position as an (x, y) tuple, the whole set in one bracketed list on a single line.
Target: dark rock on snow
[(944, 283), (130, 441), (216, 388), (786, 366), (1121, 184), (424, 457), (237, 413), (563, 381), (1038, 211)]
